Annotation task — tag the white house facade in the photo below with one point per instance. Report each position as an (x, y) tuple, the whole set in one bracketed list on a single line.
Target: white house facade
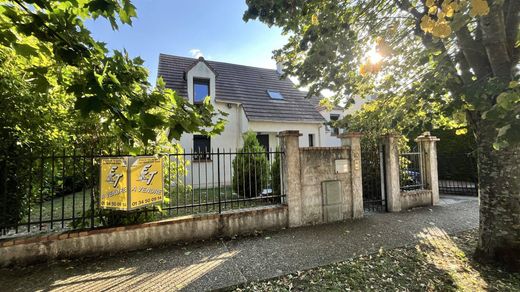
[(243, 92), (255, 99)]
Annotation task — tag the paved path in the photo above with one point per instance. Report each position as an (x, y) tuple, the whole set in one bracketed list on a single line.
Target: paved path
[(222, 263)]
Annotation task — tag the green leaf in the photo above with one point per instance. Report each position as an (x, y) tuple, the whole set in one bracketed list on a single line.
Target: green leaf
[(151, 120), (25, 50), (89, 104)]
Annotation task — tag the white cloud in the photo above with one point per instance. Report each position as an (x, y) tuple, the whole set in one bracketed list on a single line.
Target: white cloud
[(196, 53)]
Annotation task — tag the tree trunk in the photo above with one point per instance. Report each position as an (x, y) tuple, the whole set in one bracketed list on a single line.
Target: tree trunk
[(499, 178)]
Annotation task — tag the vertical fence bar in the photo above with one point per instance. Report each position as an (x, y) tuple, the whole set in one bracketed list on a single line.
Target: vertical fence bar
[(52, 188), (249, 174), (206, 178), (73, 184), (177, 178), (92, 184), (263, 155), (169, 185), (255, 177), (193, 158), (213, 186), (63, 176), (218, 180), (185, 190), (83, 187), (243, 158), (231, 178), (198, 184), (224, 164), (41, 188), (282, 186), (3, 174), (29, 194), (237, 174)]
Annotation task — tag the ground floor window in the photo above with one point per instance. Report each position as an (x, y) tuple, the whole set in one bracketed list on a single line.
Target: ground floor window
[(311, 140), (201, 147)]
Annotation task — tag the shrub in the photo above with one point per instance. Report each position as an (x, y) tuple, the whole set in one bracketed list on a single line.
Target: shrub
[(250, 171)]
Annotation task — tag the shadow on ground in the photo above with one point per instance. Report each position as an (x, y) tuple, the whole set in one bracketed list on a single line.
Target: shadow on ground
[(224, 263)]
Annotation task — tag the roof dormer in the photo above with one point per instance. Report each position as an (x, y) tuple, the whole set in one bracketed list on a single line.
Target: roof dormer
[(200, 78)]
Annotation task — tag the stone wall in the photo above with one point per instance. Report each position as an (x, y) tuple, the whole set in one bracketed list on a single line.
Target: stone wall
[(322, 184), (318, 169), (416, 198), (23, 251)]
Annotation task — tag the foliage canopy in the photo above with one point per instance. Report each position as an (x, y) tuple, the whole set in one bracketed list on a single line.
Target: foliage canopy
[(74, 88), (443, 62)]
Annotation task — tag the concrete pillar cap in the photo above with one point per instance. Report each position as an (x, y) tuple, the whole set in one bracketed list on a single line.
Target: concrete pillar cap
[(426, 136), (289, 133)]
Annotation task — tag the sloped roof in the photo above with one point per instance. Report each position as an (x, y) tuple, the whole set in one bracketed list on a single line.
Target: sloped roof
[(248, 86)]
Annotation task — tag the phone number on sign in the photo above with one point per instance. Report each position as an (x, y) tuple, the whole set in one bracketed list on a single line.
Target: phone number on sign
[(146, 201)]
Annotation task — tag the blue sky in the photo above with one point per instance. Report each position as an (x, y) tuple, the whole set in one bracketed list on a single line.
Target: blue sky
[(181, 27)]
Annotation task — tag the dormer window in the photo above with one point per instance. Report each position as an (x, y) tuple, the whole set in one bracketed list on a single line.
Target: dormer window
[(275, 94), (200, 90)]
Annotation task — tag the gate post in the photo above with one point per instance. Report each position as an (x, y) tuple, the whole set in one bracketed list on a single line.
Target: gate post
[(429, 161), (353, 140), (391, 162), (290, 145)]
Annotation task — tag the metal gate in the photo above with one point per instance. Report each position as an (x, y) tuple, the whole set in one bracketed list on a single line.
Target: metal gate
[(372, 167)]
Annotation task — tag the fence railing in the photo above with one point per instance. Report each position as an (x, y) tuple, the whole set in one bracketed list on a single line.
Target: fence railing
[(458, 173), (411, 171), (60, 190)]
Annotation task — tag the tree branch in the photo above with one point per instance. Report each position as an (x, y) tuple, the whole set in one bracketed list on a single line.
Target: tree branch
[(474, 52), (495, 42)]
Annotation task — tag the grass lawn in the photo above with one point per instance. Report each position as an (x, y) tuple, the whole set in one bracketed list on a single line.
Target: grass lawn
[(438, 263), (207, 198), (54, 207)]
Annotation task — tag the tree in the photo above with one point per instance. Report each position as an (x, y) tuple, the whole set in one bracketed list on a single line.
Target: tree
[(59, 61), (62, 89), (459, 56), (250, 167)]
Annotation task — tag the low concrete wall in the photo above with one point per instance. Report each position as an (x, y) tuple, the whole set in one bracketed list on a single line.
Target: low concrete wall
[(112, 240), (417, 198)]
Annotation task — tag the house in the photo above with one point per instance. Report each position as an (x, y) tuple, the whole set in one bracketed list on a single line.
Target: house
[(256, 99)]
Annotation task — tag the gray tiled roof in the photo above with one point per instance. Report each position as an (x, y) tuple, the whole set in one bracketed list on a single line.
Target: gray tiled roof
[(248, 86)]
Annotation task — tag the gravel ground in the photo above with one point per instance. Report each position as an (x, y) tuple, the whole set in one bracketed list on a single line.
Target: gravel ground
[(228, 262)]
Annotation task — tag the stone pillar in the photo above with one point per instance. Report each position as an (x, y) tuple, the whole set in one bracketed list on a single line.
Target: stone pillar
[(289, 142), (429, 164), (391, 160), (353, 140)]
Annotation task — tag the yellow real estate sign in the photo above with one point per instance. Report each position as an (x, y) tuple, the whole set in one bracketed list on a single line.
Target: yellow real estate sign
[(147, 183), (128, 183), (114, 184)]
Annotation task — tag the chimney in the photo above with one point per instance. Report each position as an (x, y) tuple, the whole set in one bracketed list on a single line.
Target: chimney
[(279, 68)]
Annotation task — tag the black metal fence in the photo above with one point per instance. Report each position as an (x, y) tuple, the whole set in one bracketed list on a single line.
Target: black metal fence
[(60, 190), (411, 171), (372, 169), (458, 173)]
